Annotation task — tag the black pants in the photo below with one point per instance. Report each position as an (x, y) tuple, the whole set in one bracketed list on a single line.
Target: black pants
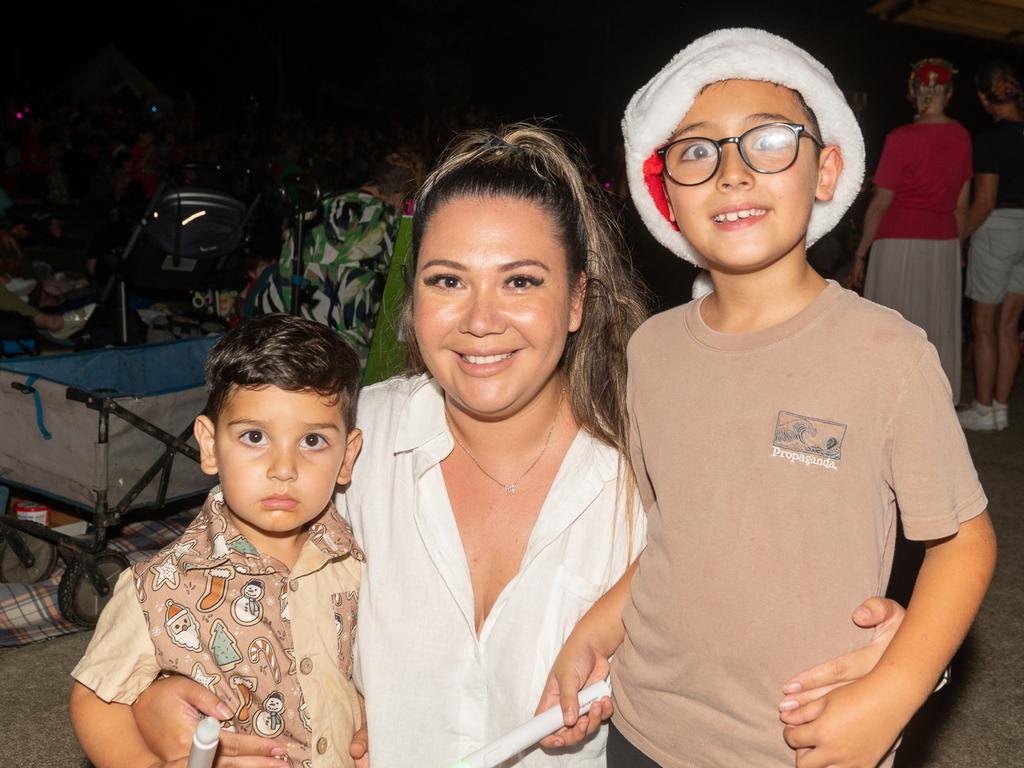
[(622, 754)]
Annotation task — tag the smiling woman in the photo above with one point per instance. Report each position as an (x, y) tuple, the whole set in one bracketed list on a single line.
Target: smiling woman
[(497, 312), (510, 508)]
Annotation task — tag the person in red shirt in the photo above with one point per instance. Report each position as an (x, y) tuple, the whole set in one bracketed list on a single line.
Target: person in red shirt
[(915, 219)]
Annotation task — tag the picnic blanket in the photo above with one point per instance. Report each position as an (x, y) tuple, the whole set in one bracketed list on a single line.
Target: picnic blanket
[(29, 612)]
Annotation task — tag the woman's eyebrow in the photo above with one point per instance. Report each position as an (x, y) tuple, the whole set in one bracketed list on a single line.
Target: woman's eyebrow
[(512, 265), (448, 263)]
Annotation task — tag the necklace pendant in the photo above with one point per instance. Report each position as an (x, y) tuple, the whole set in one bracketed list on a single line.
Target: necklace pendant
[(510, 488)]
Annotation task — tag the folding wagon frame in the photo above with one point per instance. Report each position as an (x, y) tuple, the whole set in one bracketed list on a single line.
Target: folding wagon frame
[(30, 550)]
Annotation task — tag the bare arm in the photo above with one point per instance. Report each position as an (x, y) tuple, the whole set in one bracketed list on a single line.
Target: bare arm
[(960, 212), (860, 722), (986, 187), (107, 732), (947, 595), (111, 738), (584, 660), (880, 202)]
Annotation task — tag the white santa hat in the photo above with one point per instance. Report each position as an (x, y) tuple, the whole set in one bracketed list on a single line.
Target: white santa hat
[(656, 110)]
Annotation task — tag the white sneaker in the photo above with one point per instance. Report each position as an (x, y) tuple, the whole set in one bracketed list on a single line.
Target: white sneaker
[(1002, 415), (978, 418)]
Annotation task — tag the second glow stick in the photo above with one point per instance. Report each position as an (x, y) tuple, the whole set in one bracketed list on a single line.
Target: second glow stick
[(530, 732)]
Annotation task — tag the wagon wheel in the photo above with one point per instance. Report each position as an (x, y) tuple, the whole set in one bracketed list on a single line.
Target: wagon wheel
[(77, 596), (14, 569)]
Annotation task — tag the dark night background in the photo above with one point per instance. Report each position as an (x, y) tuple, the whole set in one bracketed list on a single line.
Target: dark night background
[(378, 74), (572, 61)]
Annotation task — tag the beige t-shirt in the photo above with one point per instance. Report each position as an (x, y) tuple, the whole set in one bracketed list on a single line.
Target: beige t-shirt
[(770, 465), (274, 643)]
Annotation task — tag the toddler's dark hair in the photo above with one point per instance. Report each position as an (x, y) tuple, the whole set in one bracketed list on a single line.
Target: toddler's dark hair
[(287, 352)]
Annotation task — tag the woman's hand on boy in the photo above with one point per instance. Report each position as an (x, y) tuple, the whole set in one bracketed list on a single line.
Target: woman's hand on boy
[(359, 747), (805, 691), (577, 666), (858, 725), (226, 758), (168, 711)]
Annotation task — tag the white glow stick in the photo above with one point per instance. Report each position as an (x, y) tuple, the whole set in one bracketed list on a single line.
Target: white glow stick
[(204, 743), (530, 732)]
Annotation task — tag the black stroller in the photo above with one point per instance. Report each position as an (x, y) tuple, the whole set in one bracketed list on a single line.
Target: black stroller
[(196, 221), (143, 399)]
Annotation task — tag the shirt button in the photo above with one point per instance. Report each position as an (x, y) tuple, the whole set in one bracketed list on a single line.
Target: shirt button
[(293, 585), (321, 745), (306, 666)]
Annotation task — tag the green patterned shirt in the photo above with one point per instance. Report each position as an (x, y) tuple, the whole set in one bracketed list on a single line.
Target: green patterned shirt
[(347, 256)]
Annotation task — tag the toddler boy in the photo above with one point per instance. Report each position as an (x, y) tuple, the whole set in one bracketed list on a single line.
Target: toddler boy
[(257, 599)]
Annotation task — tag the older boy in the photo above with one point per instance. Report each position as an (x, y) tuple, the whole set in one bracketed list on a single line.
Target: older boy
[(777, 422), (247, 600)]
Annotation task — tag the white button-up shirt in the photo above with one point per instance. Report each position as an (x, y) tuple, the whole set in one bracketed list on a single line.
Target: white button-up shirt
[(435, 691)]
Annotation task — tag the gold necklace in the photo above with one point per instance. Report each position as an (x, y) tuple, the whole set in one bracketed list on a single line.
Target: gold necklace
[(511, 487)]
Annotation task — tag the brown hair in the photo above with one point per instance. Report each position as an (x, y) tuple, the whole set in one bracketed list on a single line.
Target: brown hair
[(529, 163), (999, 82), (287, 352)]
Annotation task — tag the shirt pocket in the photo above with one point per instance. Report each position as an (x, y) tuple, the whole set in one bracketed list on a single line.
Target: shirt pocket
[(346, 607), (570, 598)]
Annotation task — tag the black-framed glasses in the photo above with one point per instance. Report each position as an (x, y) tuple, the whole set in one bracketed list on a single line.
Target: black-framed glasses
[(768, 148)]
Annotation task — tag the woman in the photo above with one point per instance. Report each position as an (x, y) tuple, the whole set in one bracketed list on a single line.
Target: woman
[(912, 224), (995, 263), (492, 496)]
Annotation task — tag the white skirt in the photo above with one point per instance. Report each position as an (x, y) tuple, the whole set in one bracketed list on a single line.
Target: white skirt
[(921, 280)]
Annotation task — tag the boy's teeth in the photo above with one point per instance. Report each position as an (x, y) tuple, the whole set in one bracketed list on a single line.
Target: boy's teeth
[(737, 215), (485, 359)]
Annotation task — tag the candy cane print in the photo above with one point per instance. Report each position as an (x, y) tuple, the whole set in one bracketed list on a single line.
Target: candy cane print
[(262, 645), (139, 580)]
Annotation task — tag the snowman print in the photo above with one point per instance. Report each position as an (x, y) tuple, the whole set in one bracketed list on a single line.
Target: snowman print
[(247, 609), (268, 721)]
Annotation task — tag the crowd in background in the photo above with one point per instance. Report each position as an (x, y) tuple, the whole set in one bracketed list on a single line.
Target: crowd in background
[(76, 178)]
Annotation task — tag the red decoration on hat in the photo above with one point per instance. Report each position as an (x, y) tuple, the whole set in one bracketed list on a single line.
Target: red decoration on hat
[(653, 168), (933, 71)]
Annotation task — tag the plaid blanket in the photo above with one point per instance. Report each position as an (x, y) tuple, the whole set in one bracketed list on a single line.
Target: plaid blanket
[(29, 612)]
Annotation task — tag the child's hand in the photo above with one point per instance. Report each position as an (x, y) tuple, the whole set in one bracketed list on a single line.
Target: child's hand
[(857, 725), (808, 687), (168, 711), (577, 666)]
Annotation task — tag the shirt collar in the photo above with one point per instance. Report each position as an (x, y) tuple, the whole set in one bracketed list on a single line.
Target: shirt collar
[(422, 417), (422, 420), (211, 539)]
